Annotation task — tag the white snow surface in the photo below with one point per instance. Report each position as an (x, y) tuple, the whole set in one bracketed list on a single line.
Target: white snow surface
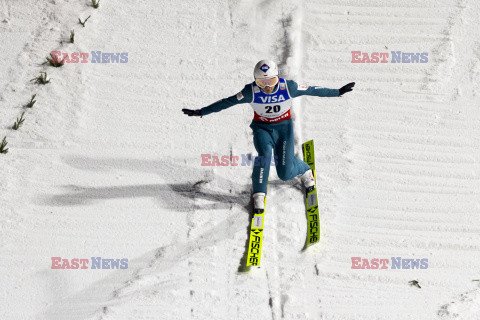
[(106, 164)]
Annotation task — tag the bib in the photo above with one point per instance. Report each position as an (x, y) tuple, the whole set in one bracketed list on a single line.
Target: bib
[(274, 107)]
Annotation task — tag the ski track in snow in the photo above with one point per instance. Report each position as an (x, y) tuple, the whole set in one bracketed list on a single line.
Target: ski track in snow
[(107, 165)]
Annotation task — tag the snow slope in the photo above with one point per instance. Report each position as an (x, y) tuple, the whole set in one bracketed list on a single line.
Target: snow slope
[(107, 165)]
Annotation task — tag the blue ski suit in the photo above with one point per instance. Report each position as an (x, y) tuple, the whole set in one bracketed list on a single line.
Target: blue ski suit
[(272, 127)]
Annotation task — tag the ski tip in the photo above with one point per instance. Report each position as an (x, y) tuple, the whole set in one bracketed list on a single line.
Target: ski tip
[(247, 269), (244, 269), (308, 245)]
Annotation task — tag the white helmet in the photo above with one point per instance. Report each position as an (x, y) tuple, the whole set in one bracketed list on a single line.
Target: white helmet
[(265, 69)]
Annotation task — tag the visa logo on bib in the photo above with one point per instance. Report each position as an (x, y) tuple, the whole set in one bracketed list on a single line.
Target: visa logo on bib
[(270, 99)]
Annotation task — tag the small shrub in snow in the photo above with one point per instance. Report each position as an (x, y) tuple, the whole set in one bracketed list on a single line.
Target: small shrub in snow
[(95, 3), (41, 79), (3, 145), (54, 62), (72, 36), (83, 23), (32, 102), (19, 122)]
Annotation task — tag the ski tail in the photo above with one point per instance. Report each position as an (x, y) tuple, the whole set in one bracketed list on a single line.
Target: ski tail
[(256, 237), (311, 202)]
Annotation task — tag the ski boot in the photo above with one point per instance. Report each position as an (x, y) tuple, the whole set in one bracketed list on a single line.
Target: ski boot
[(308, 181), (258, 202)]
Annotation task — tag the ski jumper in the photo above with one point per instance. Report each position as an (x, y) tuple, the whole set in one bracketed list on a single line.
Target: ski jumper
[(272, 127)]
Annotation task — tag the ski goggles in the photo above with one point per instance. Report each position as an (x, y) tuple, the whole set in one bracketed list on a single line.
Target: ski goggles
[(270, 82)]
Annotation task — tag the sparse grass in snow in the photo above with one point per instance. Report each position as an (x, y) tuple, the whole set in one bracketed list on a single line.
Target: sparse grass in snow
[(95, 3), (72, 36)]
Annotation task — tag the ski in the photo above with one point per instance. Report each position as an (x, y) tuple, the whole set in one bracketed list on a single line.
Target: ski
[(256, 238), (313, 222)]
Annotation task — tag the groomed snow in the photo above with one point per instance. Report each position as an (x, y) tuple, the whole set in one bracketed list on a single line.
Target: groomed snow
[(106, 165)]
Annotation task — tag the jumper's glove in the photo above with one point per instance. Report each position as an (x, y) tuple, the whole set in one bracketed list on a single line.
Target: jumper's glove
[(189, 112), (346, 88)]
